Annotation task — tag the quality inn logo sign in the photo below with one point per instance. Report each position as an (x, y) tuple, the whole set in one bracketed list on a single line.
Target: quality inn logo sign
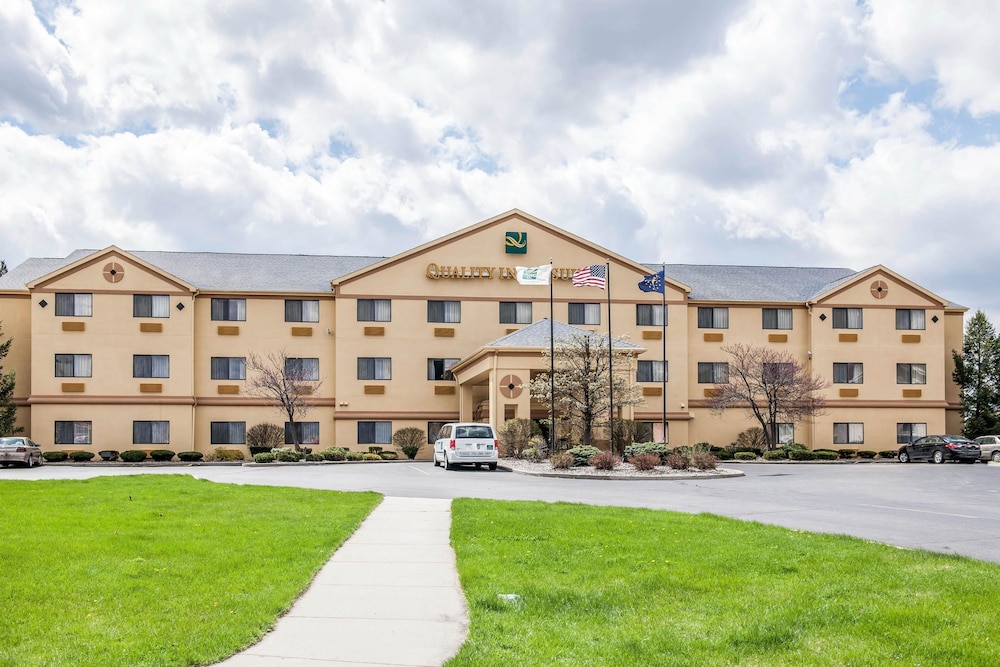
[(515, 243)]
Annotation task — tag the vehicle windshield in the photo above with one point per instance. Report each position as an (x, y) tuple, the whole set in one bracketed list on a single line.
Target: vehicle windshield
[(11, 441), (473, 432)]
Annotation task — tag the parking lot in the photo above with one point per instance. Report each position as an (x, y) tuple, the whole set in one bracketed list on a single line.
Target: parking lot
[(950, 508)]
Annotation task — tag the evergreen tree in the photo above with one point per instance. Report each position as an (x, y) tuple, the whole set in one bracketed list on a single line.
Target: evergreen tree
[(3, 267), (977, 373), (8, 411)]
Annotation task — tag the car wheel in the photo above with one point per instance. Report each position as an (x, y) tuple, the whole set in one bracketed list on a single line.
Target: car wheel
[(448, 465), (938, 456), (970, 460), (903, 456), (436, 462), (493, 466), (479, 466), (996, 456)]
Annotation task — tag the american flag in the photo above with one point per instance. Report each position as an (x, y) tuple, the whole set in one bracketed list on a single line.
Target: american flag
[(595, 275)]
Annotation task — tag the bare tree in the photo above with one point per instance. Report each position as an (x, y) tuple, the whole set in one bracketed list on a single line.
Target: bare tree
[(284, 380), (772, 384), (581, 382)]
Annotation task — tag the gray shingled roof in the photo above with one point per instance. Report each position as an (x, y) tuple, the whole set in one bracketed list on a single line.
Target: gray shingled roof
[(537, 334), (755, 283)]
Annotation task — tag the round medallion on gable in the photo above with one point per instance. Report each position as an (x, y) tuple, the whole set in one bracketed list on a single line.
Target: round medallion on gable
[(114, 272), (510, 386), (879, 289)]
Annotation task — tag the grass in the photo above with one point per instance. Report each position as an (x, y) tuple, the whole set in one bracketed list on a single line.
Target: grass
[(618, 586), (156, 570)]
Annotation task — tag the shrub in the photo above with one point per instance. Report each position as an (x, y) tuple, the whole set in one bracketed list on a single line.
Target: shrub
[(540, 445), (389, 456), (725, 455), (79, 457), (287, 455), (604, 461), (55, 457), (264, 437), (375, 449), (802, 455), (354, 456), (582, 454), (161, 454), (704, 461), (888, 453), (627, 431), (531, 454), (825, 455), (263, 457), (847, 453), (744, 456), (514, 436), (334, 454), (775, 454), (370, 456), (657, 448), (752, 439), (678, 460), (866, 454), (409, 440), (133, 456), (314, 457), (222, 454), (190, 456), (644, 461), (561, 460)]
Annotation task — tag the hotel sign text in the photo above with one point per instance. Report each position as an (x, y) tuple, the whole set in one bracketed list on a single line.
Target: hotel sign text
[(451, 272)]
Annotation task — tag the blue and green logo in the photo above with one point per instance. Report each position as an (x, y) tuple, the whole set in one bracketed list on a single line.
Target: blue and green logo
[(516, 243)]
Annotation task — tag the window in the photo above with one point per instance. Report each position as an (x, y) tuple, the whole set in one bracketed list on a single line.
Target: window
[(848, 433), (786, 433), (374, 433), (584, 313), (229, 310), (440, 369), (307, 432), (515, 312), (847, 318), (908, 432), (713, 318), (848, 373), (150, 305), (229, 368), (432, 431), (444, 311), (777, 318), (74, 305), (651, 371), (713, 372), (912, 318), (656, 433), (911, 373), (74, 433), (151, 433), (778, 373), (302, 369), (150, 366), (374, 368), (649, 315), (229, 433), (374, 310), (73, 365), (297, 310)]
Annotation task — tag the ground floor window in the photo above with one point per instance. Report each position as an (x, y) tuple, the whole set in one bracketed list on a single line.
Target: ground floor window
[(74, 433), (786, 434), (848, 433), (657, 432), (374, 433), (432, 431), (151, 433), (908, 432), (307, 432), (229, 433)]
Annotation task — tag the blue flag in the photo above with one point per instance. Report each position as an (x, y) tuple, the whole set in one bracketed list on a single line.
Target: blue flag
[(652, 283)]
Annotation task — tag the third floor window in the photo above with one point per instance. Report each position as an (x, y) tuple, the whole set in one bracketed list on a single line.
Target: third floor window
[(847, 318), (777, 318), (584, 313), (74, 305), (515, 312), (150, 305), (374, 310), (649, 315), (444, 311), (910, 318), (298, 310), (713, 318), (374, 368), (911, 373), (229, 310)]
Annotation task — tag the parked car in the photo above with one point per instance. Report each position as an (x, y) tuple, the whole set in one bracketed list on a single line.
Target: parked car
[(466, 443), (989, 446), (23, 451), (939, 448)]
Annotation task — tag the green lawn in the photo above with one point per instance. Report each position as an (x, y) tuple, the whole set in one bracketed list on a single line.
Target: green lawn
[(156, 569), (616, 586)]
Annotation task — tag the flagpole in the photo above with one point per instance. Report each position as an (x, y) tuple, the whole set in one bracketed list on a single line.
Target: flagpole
[(663, 320), (611, 374), (552, 365)]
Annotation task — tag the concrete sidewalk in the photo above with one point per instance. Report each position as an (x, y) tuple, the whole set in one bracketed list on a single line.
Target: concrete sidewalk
[(389, 596)]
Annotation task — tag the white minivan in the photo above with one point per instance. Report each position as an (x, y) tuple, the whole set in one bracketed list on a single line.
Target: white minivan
[(471, 443)]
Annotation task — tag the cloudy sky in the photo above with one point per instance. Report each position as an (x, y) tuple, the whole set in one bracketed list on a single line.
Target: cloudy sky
[(778, 132)]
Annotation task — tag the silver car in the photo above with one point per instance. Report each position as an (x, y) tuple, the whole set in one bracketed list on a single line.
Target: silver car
[(22, 451), (990, 446), (472, 443)]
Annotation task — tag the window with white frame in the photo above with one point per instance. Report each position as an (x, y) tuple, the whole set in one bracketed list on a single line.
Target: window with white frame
[(440, 369), (444, 311), (150, 366), (74, 305), (847, 318), (74, 433), (432, 430), (713, 372), (150, 432), (229, 433), (713, 318), (848, 373), (907, 432), (374, 310), (301, 310), (515, 312), (150, 305), (651, 371), (229, 310), (584, 313), (74, 365), (307, 432), (911, 373), (374, 368), (848, 433), (374, 433), (229, 368), (911, 318), (776, 318), (649, 315)]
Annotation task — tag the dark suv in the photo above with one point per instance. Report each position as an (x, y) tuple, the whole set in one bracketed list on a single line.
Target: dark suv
[(940, 448)]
